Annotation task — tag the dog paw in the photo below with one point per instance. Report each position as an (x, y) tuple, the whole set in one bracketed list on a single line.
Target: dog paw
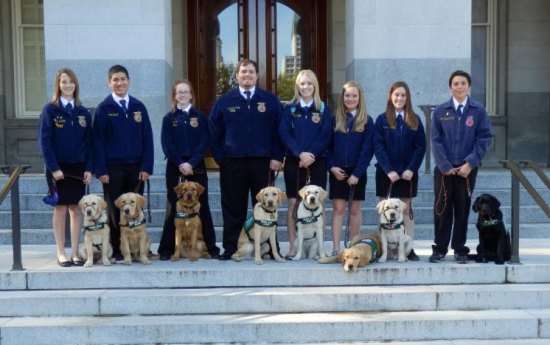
[(402, 260), (258, 262), (88, 264), (106, 263), (280, 260), (382, 259), (296, 258), (145, 261), (127, 262)]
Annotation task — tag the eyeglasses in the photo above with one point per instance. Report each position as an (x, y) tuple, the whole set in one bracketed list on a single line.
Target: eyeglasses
[(182, 92)]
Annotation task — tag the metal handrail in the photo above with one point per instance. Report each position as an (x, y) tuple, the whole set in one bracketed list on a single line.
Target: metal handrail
[(13, 185), (428, 109), (517, 177), (536, 168)]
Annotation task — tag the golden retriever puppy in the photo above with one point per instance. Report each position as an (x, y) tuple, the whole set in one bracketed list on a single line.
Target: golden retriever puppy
[(189, 239), (134, 242), (264, 228), (392, 230), (309, 223), (363, 250), (96, 230)]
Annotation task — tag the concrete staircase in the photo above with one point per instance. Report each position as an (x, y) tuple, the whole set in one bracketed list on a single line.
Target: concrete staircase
[(213, 302), (36, 216)]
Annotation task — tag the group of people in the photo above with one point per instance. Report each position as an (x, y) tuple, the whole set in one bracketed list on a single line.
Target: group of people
[(250, 135)]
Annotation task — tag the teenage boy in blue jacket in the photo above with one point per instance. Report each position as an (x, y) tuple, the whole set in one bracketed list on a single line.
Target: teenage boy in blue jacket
[(245, 144), (461, 133), (123, 146)]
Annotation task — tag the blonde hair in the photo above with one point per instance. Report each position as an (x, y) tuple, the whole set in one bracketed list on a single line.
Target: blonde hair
[(57, 88), (361, 116), (316, 97)]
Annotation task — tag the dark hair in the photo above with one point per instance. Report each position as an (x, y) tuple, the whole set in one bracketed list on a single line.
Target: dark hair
[(116, 69), (57, 89), (410, 117), (460, 73), (245, 62)]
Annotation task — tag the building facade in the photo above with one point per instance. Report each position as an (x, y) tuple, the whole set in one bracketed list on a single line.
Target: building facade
[(504, 44)]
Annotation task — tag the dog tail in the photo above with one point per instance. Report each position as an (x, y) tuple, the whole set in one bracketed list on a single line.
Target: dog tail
[(330, 259)]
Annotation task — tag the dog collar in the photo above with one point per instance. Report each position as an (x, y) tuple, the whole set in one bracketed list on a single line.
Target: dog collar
[(491, 222), (96, 226), (268, 211), (133, 223), (184, 215), (312, 210), (390, 226), (372, 245)]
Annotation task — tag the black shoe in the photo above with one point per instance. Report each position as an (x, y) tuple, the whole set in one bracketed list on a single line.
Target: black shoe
[(225, 256), (67, 263), (436, 257), (412, 256), (118, 257), (461, 258), (77, 262), (215, 256), (164, 257)]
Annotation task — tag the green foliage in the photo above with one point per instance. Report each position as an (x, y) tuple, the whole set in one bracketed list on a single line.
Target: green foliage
[(226, 78), (285, 86)]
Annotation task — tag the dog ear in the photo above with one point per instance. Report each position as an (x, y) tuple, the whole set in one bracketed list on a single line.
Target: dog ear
[(260, 196), (363, 260), (302, 192), (200, 188), (495, 203), (380, 206), (282, 196), (140, 201), (475, 206), (81, 203), (118, 201), (323, 194), (102, 204)]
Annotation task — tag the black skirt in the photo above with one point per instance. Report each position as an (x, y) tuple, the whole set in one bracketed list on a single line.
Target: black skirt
[(400, 188), (341, 189), (295, 177), (71, 189)]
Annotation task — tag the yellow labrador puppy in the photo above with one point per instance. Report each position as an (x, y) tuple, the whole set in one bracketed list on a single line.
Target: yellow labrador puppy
[(309, 223), (95, 228), (392, 230), (363, 250), (264, 228), (134, 242)]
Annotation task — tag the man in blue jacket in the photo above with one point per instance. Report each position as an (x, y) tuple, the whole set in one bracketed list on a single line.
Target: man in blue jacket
[(123, 146), (245, 144), (461, 133)]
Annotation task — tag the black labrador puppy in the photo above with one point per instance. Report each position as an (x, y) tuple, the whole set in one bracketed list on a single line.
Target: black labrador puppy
[(494, 239)]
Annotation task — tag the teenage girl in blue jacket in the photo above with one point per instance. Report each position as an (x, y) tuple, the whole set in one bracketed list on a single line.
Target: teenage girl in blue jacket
[(349, 156), (399, 146), (65, 138), (305, 130)]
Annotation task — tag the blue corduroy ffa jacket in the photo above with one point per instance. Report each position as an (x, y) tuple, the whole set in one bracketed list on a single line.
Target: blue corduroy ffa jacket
[(65, 137), (352, 149), (184, 135), (398, 149), (239, 128), (122, 138), (459, 139), (305, 129)]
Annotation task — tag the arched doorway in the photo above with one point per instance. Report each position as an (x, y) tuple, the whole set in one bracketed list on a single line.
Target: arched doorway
[(282, 36)]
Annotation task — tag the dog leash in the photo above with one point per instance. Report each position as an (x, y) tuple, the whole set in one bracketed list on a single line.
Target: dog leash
[(148, 207), (350, 200), (271, 178)]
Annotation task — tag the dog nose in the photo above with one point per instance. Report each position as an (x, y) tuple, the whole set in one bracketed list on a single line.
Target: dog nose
[(89, 212), (350, 267), (270, 203), (127, 211)]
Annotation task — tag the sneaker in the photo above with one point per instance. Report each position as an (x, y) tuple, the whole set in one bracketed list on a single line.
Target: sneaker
[(335, 252), (412, 256), (436, 257), (461, 258)]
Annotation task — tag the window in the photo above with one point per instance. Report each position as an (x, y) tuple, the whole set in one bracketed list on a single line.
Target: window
[(484, 48), (29, 57)]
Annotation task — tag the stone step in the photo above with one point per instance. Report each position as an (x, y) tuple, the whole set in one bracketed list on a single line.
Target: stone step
[(422, 215), (425, 198), (243, 300), (278, 327), (422, 232)]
